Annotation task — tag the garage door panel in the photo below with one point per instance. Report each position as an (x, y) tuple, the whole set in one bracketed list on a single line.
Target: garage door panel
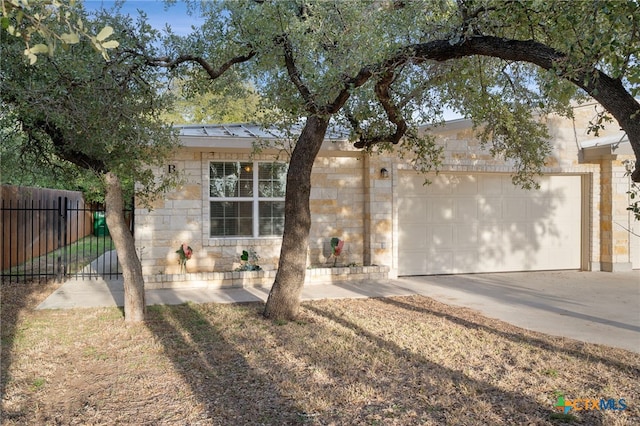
[(466, 235), (413, 210), (486, 224), (440, 185), (466, 209), (537, 207), (464, 185), (508, 188), (490, 209), (442, 237), (490, 185), (442, 211), (465, 261), (415, 237), (514, 209), (414, 263), (412, 184)]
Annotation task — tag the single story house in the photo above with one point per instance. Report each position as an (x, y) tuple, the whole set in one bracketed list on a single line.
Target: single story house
[(470, 219)]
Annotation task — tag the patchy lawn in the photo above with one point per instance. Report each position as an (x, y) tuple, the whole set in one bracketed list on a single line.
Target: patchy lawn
[(400, 360)]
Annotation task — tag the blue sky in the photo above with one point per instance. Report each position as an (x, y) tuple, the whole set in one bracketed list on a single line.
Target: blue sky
[(158, 13), (175, 15)]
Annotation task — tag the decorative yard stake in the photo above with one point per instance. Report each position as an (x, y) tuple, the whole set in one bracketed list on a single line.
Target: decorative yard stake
[(336, 247), (185, 253)]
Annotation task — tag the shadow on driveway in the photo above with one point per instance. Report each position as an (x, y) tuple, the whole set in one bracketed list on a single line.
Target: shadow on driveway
[(596, 307)]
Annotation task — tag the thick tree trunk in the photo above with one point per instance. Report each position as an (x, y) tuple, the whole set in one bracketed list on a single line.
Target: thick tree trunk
[(134, 303), (284, 298)]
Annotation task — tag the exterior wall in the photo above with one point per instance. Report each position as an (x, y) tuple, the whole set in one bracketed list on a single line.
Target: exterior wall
[(337, 206), (611, 222), (463, 153), (616, 221), (352, 200)]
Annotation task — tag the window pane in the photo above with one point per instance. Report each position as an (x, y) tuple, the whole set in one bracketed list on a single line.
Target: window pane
[(271, 218), (272, 179), (246, 180), (231, 218), (230, 179)]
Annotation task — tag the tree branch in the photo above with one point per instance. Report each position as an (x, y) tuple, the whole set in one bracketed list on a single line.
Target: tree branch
[(393, 114), (294, 74), (213, 73)]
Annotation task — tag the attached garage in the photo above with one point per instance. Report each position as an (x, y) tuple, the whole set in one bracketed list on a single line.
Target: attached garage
[(466, 223)]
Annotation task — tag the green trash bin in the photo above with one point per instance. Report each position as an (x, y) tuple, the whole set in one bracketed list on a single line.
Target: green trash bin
[(100, 224)]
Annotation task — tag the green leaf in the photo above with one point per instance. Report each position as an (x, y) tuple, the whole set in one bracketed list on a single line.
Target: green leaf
[(39, 48), (4, 22), (334, 242), (70, 38), (104, 33), (32, 58), (111, 44)]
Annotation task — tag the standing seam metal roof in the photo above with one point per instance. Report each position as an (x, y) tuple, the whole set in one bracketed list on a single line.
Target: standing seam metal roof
[(247, 131)]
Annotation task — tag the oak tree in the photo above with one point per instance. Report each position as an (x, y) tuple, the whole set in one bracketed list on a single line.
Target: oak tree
[(98, 115)]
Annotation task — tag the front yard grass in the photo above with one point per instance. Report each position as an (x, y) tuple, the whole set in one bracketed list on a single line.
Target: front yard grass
[(401, 360)]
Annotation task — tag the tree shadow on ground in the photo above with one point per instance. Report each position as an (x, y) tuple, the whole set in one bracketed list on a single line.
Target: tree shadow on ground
[(15, 299), (434, 393), (216, 369), (573, 348), (442, 395), (500, 288)]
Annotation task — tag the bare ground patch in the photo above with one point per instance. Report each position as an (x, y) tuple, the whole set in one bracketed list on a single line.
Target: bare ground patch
[(401, 360)]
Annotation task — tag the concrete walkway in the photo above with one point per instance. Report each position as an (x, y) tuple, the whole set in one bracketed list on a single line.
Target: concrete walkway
[(597, 307)]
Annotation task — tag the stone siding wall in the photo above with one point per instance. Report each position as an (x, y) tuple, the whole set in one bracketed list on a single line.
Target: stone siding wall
[(337, 206)]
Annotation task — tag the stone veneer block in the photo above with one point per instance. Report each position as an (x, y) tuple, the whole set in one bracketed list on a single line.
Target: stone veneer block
[(236, 279)]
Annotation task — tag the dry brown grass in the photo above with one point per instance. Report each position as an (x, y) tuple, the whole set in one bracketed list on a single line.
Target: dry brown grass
[(401, 360)]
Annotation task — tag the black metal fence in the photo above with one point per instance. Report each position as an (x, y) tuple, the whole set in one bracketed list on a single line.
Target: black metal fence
[(59, 239)]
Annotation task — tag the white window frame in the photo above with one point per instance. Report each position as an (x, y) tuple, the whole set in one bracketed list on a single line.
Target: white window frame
[(255, 199)]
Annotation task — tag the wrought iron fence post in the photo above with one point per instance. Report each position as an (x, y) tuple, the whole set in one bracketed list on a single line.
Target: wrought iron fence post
[(65, 252), (59, 239), (62, 239)]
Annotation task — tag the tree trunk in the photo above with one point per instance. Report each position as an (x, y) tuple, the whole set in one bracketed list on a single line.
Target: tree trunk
[(134, 303), (284, 297)]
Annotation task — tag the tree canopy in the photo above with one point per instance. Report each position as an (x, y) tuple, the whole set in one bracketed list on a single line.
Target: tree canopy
[(212, 107), (41, 21), (75, 108)]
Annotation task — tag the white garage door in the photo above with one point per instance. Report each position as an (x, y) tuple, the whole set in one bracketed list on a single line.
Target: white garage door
[(465, 223)]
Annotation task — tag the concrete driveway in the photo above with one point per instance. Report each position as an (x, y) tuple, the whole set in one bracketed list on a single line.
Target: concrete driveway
[(597, 307)]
